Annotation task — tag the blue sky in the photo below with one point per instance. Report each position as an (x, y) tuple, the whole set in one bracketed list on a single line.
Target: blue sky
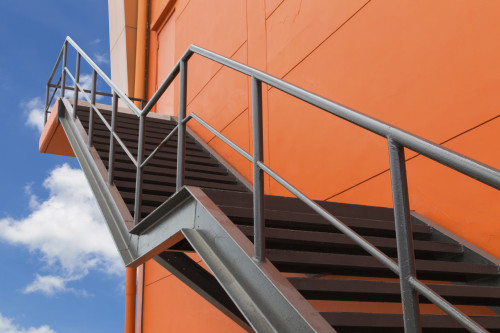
[(60, 270)]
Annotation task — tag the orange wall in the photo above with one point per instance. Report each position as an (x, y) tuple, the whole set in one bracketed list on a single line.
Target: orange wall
[(429, 67), (171, 306)]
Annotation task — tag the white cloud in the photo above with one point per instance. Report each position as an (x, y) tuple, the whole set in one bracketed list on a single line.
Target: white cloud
[(85, 83), (101, 58), (96, 41), (35, 108), (8, 326), (48, 284), (67, 231)]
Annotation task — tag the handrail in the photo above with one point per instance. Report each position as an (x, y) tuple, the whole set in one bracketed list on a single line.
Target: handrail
[(397, 138), (100, 93)]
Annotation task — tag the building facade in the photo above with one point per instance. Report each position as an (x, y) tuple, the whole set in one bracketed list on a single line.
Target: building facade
[(427, 67)]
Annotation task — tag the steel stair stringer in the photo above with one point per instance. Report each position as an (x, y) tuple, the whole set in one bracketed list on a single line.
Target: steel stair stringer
[(265, 297), (116, 217)]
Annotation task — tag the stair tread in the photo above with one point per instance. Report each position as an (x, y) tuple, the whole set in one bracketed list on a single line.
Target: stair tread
[(123, 162), (374, 320), (171, 172), (314, 220), (328, 239), (292, 204), (389, 291), (333, 263)]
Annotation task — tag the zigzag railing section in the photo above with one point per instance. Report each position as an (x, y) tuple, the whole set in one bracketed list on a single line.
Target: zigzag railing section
[(398, 139)]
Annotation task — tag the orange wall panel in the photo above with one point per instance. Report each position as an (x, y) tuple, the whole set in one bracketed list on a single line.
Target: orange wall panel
[(227, 86), (155, 272), (459, 203), (271, 6), (171, 306), (219, 26), (297, 27), (165, 62), (429, 67), (236, 131), (312, 149), (53, 139)]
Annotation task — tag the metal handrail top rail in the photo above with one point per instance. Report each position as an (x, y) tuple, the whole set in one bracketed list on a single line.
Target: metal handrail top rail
[(470, 167)]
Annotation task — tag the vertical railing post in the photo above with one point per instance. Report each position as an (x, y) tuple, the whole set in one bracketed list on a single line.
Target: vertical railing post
[(138, 179), (77, 80), (63, 74), (91, 109), (258, 174), (181, 135), (404, 237), (47, 93), (111, 157)]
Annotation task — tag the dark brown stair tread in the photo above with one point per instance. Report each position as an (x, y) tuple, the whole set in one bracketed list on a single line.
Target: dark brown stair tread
[(383, 320), (128, 132), (168, 182), (388, 291), (153, 125), (293, 219), (125, 119), (131, 134), (131, 141), (325, 240), (295, 205), (102, 143), (121, 157), (147, 199), (171, 172), (122, 162), (162, 156), (154, 170), (332, 263)]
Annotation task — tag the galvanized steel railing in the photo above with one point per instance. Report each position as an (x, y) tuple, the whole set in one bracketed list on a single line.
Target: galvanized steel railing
[(398, 139)]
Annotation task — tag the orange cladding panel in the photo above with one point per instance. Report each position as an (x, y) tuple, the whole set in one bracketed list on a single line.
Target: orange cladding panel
[(53, 139), (171, 306), (218, 25), (426, 66)]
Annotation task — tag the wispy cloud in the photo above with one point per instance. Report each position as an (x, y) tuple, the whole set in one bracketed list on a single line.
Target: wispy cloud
[(34, 108), (53, 284), (96, 41), (101, 58), (86, 83), (7, 325), (66, 231)]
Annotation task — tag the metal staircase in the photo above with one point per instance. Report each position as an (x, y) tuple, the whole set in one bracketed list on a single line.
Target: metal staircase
[(162, 192)]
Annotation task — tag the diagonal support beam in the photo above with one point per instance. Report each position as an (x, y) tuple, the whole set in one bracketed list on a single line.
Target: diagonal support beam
[(202, 282)]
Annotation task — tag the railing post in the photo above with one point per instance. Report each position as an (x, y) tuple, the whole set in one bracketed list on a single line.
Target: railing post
[(181, 136), (404, 237), (47, 93), (91, 109), (258, 175), (138, 179), (63, 74), (77, 80), (111, 157)]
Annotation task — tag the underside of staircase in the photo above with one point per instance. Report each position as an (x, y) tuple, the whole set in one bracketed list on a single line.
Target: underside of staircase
[(314, 278)]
